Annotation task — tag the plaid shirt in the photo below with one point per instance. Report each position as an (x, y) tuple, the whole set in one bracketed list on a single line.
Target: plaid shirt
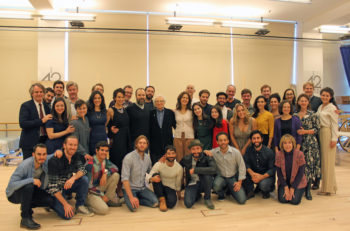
[(60, 170), (95, 170)]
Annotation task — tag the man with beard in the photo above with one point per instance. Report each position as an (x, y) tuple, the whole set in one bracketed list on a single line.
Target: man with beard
[(221, 99), (149, 90), (49, 94), (67, 175), (203, 100), (139, 116), (231, 100), (260, 164), (231, 169), (199, 171), (246, 95), (166, 179), (27, 186), (136, 165), (162, 123)]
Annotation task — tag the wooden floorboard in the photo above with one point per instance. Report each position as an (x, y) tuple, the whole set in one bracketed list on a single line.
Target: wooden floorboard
[(322, 213)]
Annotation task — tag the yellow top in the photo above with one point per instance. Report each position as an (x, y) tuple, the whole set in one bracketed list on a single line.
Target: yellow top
[(265, 123)]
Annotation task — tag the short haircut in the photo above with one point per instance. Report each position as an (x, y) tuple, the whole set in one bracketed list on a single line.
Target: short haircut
[(101, 144), (265, 86), (276, 96), (139, 89), (221, 93), (58, 82), (39, 145), (255, 132), (285, 138), (49, 89), (222, 133), (308, 83), (170, 148), (116, 91), (31, 89), (231, 85), (140, 137), (204, 91), (280, 107), (71, 83), (97, 84), (246, 91), (79, 103), (70, 137), (149, 87), (127, 86)]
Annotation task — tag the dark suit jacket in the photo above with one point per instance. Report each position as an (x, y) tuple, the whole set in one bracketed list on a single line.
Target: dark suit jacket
[(30, 123), (161, 137)]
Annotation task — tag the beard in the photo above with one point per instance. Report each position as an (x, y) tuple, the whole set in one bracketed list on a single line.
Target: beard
[(257, 145), (170, 159), (149, 97), (140, 101)]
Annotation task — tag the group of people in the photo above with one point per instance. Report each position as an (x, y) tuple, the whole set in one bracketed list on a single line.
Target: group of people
[(230, 148)]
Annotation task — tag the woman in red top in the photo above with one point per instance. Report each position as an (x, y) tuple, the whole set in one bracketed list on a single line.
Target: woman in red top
[(220, 125)]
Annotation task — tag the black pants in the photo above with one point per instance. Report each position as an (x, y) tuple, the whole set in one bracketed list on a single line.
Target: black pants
[(266, 185), (298, 194), (30, 196), (192, 192), (163, 191)]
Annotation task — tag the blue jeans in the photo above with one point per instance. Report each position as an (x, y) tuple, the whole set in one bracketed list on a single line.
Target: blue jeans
[(298, 194), (220, 183), (266, 185), (80, 187), (192, 192), (146, 197)]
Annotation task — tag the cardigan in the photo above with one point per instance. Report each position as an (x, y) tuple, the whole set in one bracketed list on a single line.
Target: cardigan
[(298, 161), (296, 125)]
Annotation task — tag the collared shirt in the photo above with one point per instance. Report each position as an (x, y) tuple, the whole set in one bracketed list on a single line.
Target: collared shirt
[(160, 117), (95, 173), (60, 170), (229, 163), (82, 132), (73, 112), (38, 108), (262, 161), (329, 119), (135, 168)]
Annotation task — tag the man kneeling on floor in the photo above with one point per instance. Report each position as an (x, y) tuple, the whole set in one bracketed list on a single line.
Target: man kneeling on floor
[(135, 166), (67, 175), (231, 169), (103, 177), (199, 170), (27, 186), (166, 179)]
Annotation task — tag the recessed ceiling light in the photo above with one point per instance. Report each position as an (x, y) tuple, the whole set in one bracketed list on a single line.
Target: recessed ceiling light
[(334, 29)]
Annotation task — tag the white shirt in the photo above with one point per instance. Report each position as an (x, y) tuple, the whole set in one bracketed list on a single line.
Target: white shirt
[(38, 109), (184, 123), (329, 118)]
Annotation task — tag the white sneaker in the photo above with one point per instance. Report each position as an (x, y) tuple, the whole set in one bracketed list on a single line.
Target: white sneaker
[(84, 210)]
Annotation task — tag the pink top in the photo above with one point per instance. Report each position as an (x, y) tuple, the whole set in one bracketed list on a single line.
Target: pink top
[(216, 130)]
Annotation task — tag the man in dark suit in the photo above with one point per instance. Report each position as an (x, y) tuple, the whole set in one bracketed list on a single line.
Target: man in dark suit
[(162, 121), (32, 118)]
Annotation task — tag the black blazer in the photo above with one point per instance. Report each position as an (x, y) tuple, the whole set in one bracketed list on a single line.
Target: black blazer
[(205, 166), (161, 137), (30, 123)]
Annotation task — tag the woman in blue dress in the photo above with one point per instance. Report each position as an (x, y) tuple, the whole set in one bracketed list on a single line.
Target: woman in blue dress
[(97, 115), (58, 128)]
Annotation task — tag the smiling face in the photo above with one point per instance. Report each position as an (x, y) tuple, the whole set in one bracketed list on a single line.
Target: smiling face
[(214, 113), (59, 90), (246, 98), (204, 98), (261, 103), (184, 100), (266, 92), (257, 140), (40, 155), (287, 145), (223, 141), (325, 97), (286, 109), (149, 93), (141, 96), (197, 110), (221, 100), (37, 94), (97, 100), (73, 92), (128, 93), (303, 102), (70, 146), (59, 107), (241, 112), (119, 99), (274, 104), (81, 111), (231, 92), (290, 95), (102, 153), (48, 97), (170, 155), (196, 151), (159, 103), (141, 145), (308, 90)]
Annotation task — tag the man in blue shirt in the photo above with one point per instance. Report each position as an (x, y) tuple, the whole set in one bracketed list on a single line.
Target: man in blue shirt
[(27, 186)]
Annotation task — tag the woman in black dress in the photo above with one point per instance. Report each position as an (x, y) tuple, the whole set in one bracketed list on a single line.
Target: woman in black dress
[(118, 124)]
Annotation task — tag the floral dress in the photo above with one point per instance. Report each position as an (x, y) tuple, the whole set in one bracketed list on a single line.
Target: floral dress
[(310, 146)]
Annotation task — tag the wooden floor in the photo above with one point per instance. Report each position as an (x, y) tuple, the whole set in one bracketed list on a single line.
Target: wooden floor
[(322, 213)]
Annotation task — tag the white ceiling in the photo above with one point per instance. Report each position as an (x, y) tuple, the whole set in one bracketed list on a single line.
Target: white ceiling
[(310, 15)]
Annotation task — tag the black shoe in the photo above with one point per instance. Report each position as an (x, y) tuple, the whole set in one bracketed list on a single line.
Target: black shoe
[(221, 197), (316, 184), (265, 195), (308, 191), (257, 190), (251, 194), (28, 223)]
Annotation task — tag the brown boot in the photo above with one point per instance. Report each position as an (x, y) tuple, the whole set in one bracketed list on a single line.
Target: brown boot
[(162, 204)]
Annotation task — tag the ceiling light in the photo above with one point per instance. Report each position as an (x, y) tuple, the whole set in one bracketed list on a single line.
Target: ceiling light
[(190, 21), (63, 16), (15, 15), (334, 29), (242, 24), (295, 1)]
